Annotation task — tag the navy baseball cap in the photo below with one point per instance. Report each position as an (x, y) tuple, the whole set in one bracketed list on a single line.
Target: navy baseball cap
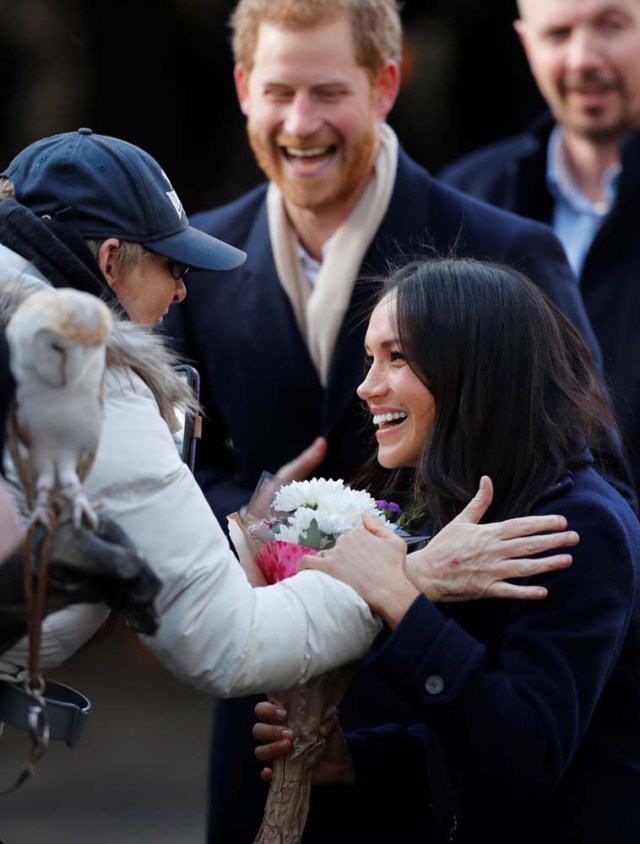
[(106, 187)]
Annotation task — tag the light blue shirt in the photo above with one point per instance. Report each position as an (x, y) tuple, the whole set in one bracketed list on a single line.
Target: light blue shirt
[(310, 265), (576, 218)]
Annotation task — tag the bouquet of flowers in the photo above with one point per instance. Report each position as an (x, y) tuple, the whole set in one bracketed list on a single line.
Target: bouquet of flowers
[(282, 523)]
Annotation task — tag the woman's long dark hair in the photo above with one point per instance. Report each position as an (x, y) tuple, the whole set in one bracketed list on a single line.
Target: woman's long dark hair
[(515, 393)]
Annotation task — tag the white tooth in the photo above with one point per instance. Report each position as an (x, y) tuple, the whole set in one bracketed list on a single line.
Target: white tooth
[(306, 153), (380, 418)]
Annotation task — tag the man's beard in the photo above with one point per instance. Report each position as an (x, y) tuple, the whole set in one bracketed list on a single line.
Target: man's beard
[(358, 155), (601, 134), (618, 126)]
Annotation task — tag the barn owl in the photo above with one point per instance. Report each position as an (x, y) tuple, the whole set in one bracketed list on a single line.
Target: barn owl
[(57, 341)]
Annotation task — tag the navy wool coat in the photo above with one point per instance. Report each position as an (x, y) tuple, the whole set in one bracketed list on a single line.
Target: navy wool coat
[(527, 713)]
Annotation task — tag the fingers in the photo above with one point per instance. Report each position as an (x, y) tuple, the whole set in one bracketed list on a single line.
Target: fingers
[(377, 528), (529, 568), (528, 546), (330, 723), (272, 735), (269, 712), (524, 568), (306, 462), (479, 504), (274, 741), (310, 561), (528, 525), (275, 737), (513, 592)]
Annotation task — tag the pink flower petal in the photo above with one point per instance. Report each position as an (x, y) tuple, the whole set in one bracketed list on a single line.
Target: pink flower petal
[(278, 560)]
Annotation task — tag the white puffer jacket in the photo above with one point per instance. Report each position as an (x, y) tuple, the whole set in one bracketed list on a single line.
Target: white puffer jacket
[(216, 631)]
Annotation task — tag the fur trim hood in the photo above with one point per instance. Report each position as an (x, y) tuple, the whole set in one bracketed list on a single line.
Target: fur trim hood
[(130, 347)]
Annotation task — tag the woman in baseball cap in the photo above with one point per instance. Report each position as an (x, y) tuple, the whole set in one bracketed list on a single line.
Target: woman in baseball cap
[(100, 214)]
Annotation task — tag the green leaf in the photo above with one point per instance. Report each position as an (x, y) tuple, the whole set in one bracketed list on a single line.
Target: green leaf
[(314, 536)]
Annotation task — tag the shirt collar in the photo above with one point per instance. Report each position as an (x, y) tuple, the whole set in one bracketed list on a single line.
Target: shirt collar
[(562, 184), (310, 265)]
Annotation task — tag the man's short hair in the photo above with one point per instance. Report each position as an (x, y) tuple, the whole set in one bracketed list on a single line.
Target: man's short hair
[(376, 26)]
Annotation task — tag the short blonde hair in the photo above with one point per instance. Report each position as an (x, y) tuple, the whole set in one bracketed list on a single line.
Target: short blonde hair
[(377, 30), (7, 188), (129, 254)]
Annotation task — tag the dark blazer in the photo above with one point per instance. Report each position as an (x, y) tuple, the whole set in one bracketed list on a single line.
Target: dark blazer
[(265, 403), (527, 713), (511, 174)]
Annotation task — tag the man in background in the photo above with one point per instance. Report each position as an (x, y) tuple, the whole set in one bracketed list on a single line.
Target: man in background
[(279, 342), (578, 168)]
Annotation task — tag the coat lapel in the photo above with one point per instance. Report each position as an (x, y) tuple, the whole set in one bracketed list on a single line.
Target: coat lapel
[(404, 232), (265, 305)]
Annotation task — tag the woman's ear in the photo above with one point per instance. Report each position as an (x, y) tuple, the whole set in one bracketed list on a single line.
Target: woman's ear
[(107, 262)]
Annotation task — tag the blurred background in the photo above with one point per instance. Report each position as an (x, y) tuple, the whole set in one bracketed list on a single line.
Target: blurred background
[(159, 73)]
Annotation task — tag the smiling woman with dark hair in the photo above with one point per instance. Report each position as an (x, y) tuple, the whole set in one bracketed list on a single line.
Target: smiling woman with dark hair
[(521, 719), (509, 375)]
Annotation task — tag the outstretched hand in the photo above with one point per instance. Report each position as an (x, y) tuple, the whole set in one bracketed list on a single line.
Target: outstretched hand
[(467, 560)]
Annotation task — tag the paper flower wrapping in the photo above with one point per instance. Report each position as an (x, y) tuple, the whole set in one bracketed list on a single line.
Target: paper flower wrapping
[(282, 523)]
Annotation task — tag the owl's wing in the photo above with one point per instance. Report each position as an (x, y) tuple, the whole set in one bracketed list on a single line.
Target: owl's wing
[(87, 457), (85, 462), (17, 439)]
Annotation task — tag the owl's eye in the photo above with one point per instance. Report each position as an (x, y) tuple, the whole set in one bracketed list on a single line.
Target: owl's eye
[(57, 347)]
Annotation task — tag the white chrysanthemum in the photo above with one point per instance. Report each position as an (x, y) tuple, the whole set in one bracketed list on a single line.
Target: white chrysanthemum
[(334, 507), (325, 494)]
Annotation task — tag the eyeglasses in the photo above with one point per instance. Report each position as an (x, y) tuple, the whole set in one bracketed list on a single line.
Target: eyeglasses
[(177, 269)]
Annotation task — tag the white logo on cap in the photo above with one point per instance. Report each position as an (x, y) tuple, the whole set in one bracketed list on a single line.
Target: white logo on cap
[(173, 196), (175, 201)]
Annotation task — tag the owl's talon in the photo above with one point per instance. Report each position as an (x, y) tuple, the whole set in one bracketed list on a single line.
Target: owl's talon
[(81, 508), (42, 513), (40, 516)]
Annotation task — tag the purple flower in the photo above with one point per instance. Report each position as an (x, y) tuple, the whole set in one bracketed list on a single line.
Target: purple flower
[(391, 510)]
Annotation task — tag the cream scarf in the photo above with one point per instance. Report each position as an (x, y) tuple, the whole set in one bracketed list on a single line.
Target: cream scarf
[(320, 310)]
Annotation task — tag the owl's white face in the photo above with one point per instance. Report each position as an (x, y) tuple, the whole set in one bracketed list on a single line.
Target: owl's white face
[(58, 337), (60, 362)]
